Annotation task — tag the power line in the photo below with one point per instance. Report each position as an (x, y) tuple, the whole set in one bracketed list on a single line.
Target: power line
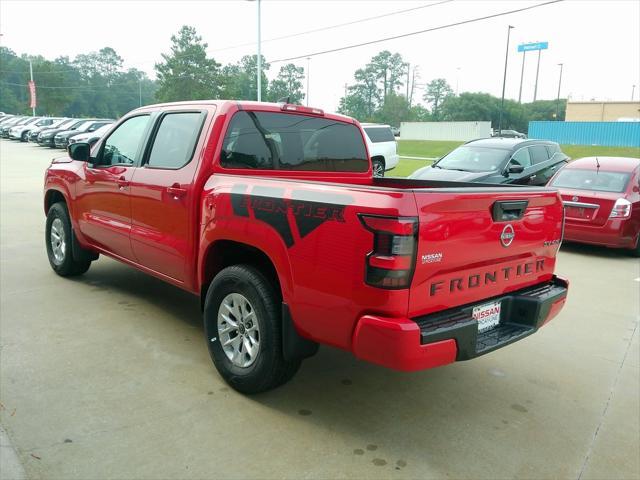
[(395, 37), (306, 32), (330, 27)]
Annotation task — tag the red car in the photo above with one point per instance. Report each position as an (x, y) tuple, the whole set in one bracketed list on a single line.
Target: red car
[(601, 196)]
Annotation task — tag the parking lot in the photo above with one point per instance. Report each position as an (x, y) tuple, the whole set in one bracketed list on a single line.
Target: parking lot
[(108, 375)]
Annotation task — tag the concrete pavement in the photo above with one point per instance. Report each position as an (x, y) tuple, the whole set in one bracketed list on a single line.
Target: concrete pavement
[(108, 376)]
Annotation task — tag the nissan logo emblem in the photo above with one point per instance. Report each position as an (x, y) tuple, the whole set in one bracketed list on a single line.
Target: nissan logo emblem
[(507, 235)]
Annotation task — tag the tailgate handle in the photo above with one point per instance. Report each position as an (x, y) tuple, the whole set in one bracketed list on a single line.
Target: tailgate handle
[(509, 210)]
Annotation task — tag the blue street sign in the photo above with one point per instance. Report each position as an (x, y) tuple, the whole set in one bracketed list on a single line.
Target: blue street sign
[(528, 47)]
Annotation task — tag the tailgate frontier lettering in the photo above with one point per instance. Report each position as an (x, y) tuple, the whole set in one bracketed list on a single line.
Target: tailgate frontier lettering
[(495, 276)]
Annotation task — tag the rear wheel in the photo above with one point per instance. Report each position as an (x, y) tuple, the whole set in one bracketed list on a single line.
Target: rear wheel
[(378, 167), (243, 328), (23, 137), (58, 238)]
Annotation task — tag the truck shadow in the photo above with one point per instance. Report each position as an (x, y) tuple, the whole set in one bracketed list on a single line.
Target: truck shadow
[(380, 417)]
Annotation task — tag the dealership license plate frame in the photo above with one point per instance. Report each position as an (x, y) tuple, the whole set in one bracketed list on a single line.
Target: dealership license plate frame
[(488, 321)]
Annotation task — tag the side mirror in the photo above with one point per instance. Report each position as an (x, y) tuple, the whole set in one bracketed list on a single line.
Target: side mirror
[(515, 168), (79, 151)]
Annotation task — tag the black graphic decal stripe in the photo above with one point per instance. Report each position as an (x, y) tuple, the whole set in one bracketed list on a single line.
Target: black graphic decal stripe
[(238, 200), (269, 206)]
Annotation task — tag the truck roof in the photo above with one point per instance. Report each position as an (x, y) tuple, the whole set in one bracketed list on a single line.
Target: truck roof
[(246, 105)]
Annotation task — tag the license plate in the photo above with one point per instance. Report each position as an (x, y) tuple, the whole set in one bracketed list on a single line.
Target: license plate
[(487, 316), (579, 212)]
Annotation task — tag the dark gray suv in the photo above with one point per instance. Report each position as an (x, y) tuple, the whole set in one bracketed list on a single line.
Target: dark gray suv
[(498, 160)]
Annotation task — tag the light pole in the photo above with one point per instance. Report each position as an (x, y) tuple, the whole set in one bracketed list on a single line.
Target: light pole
[(633, 91), (558, 99), (140, 91), (308, 76), (524, 55), (504, 81), (457, 79), (535, 89), (259, 57)]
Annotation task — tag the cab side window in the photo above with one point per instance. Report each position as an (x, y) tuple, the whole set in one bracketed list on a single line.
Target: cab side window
[(121, 147), (521, 157)]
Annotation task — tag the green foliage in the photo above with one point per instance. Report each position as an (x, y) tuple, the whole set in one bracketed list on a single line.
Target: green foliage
[(96, 84), (187, 73), (93, 84), (438, 90), (482, 106), (288, 84)]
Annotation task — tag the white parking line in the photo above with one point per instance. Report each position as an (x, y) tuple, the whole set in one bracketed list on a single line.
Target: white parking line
[(419, 158)]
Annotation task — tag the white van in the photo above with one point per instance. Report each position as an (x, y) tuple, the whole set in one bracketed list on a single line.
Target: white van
[(382, 147)]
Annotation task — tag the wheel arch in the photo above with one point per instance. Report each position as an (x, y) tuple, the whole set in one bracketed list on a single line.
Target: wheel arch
[(51, 196), (225, 253)]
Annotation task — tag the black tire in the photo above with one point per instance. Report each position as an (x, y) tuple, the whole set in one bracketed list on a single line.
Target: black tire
[(269, 369), (377, 166), (636, 251), (23, 137), (64, 265)]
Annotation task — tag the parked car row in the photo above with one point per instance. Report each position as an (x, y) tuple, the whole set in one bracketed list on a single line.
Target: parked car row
[(53, 132)]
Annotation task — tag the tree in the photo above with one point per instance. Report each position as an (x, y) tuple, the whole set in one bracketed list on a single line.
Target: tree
[(187, 73), (240, 81), (288, 84), (437, 91), (390, 70)]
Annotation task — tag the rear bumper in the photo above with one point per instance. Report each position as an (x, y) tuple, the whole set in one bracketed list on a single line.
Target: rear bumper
[(615, 233), (452, 335)]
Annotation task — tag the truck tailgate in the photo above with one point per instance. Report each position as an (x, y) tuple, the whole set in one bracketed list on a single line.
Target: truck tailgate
[(479, 243)]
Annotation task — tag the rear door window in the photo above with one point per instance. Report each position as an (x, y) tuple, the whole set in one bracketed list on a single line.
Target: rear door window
[(284, 141), (380, 134), (175, 140), (539, 154)]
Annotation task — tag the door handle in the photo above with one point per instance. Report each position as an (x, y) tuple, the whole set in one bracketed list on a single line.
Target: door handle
[(122, 183), (176, 191)]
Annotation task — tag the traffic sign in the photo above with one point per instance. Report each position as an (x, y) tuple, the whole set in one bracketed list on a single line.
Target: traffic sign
[(529, 47)]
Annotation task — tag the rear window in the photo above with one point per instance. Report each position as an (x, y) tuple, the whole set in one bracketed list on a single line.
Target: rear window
[(282, 141), (539, 154), (591, 180), (378, 134)]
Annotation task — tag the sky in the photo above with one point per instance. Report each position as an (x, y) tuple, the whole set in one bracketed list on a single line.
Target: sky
[(598, 41)]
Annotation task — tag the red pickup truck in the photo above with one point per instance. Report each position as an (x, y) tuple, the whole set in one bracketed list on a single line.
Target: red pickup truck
[(271, 214)]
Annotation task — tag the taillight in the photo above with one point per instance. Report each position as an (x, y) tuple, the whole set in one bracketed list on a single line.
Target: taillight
[(392, 261), (621, 209)]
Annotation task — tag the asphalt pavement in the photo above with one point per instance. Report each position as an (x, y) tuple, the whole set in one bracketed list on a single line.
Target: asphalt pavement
[(108, 376)]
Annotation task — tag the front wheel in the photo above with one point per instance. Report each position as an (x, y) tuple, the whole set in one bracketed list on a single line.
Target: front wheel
[(636, 251), (58, 240), (23, 137), (243, 328)]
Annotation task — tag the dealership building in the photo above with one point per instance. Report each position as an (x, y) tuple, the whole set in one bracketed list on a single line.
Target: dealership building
[(602, 111)]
